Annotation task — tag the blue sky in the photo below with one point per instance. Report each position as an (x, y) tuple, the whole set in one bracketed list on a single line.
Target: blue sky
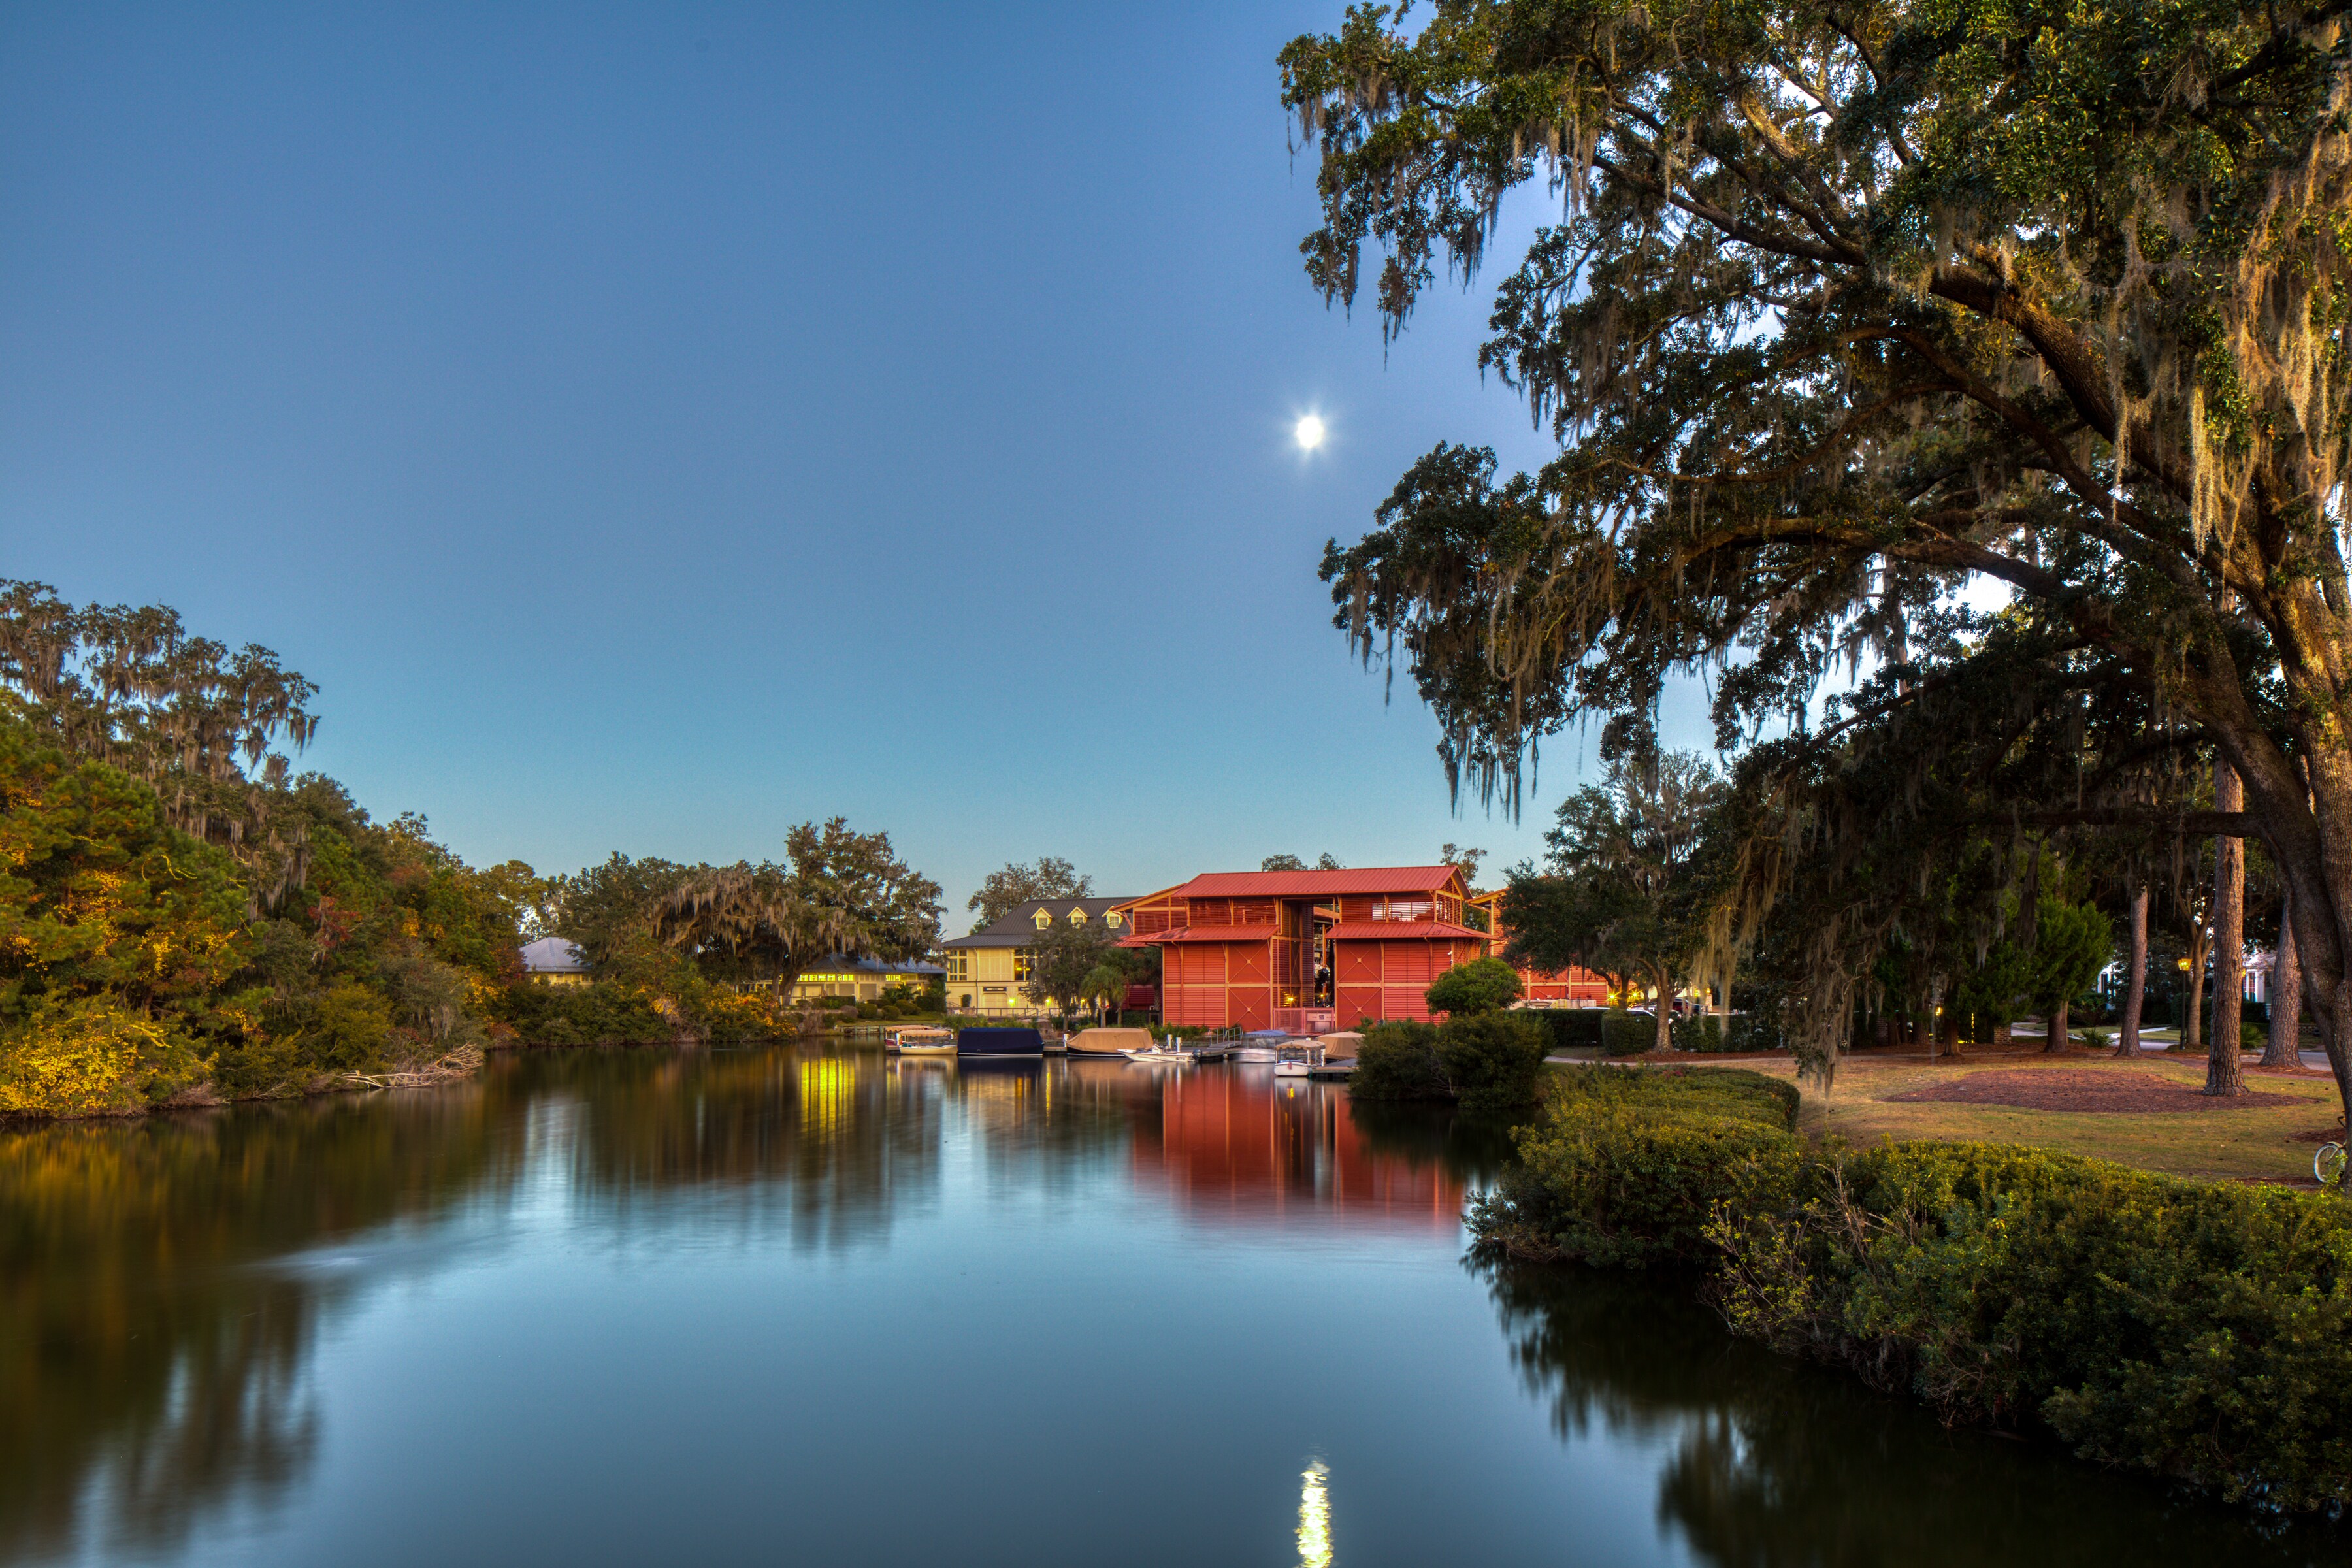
[(655, 426)]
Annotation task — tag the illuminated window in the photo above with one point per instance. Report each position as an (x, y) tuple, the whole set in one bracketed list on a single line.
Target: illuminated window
[(1114, 919), (1020, 964), (1078, 917), (1045, 919)]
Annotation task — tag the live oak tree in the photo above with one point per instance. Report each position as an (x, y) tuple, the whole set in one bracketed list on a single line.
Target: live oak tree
[(1851, 305), (837, 891), (1007, 890), (1622, 861)]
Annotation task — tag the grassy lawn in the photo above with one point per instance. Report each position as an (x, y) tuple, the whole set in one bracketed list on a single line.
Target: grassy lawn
[(2253, 1141)]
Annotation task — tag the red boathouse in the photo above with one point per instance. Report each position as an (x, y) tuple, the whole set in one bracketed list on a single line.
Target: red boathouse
[(1305, 951)]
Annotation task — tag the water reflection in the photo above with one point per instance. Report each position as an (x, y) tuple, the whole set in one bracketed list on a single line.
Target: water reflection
[(154, 1340), (1314, 1516), (165, 1291), (162, 1285), (1243, 1144), (1775, 1463)]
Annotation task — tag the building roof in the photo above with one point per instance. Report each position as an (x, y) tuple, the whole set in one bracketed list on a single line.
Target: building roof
[(553, 955), (1401, 931), (1316, 884), (1019, 927), (868, 968), (1203, 933)]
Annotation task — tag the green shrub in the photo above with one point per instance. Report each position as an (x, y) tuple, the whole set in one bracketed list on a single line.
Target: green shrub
[(1481, 985), (1756, 1031), (1624, 1033), (1626, 1164), (2199, 1330), (601, 1013), (1699, 1032), (1491, 1061), (1398, 1060), (1571, 1028), (349, 1027)]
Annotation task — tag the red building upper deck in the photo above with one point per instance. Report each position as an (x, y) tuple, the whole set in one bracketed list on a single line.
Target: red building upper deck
[(1305, 950)]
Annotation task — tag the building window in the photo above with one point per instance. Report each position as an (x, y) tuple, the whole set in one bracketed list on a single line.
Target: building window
[(1045, 919), (1078, 917), (1402, 908), (1020, 964), (1114, 919)]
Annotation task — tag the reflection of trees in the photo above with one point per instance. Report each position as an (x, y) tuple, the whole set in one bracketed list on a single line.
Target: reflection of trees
[(1472, 1149), (1779, 1463), (823, 1144), (149, 1365)]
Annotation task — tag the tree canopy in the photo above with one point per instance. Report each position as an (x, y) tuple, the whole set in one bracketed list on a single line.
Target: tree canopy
[(1007, 890), (1850, 312)]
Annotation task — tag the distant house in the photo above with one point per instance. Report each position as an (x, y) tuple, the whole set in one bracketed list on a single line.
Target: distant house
[(860, 979), (552, 961), (987, 969)]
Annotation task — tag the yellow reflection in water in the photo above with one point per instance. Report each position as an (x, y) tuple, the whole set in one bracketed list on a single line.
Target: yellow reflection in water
[(1315, 1517), (828, 1086)]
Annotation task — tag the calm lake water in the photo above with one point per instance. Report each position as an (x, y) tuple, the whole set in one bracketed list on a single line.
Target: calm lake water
[(803, 1306)]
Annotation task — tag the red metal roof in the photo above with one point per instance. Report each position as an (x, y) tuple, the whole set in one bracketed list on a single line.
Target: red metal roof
[(1205, 933), (1315, 884), (1401, 931)]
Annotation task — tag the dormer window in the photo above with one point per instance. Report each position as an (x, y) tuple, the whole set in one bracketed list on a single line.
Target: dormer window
[(1114, 919), (1045, 919), (1078, 917)]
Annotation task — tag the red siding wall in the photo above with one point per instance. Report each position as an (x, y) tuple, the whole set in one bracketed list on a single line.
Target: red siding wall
[(1389, 979)]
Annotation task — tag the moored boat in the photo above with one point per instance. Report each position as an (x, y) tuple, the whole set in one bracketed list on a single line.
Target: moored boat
[(1000, 1042), (920, 1040), (1101, 1042), (1166, 1052), (1260, 1045), (1296, 1061)]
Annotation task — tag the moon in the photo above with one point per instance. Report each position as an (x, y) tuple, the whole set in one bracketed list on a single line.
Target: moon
[(1309, 432)]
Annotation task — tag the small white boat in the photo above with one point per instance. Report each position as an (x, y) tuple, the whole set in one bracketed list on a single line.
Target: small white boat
[(1260, 1045), (1296, 1061), (1166, 1051), (920, 1041)]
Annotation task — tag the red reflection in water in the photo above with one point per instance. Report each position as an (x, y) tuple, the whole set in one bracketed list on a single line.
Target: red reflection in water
[(1257, 1147)]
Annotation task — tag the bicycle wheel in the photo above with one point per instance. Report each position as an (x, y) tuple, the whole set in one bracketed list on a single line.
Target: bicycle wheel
[(2328, 1165)]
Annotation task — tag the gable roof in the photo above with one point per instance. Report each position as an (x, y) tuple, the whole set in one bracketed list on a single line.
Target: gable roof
[(1316, 884), (553, 955), (1018, 928)]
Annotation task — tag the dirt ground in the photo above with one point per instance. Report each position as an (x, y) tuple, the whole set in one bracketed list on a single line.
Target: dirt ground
[(2146, 1112)]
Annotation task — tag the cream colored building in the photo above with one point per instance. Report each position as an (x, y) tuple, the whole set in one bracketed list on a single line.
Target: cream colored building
[(859, 979), (987, 969)]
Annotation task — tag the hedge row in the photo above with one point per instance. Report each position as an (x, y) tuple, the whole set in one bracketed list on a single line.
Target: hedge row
[(1485, 1061), (2198, 1330), (1611, 1030)]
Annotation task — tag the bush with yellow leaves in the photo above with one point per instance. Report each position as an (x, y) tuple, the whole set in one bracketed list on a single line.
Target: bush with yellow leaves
[(92, 1057)]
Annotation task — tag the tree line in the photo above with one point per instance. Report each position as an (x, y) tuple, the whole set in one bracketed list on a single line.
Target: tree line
[(185, 918)]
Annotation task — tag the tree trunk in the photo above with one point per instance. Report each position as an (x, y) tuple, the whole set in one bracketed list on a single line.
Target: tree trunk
[(1664, 1003), (2192, 1028), (2286, 1046), (2136, 976), (2056, 1036), (2221, 1072)]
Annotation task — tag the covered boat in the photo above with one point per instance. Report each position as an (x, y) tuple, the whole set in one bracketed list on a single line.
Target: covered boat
[(1342, 1047), (1108, 1042), (1000, 1042)]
